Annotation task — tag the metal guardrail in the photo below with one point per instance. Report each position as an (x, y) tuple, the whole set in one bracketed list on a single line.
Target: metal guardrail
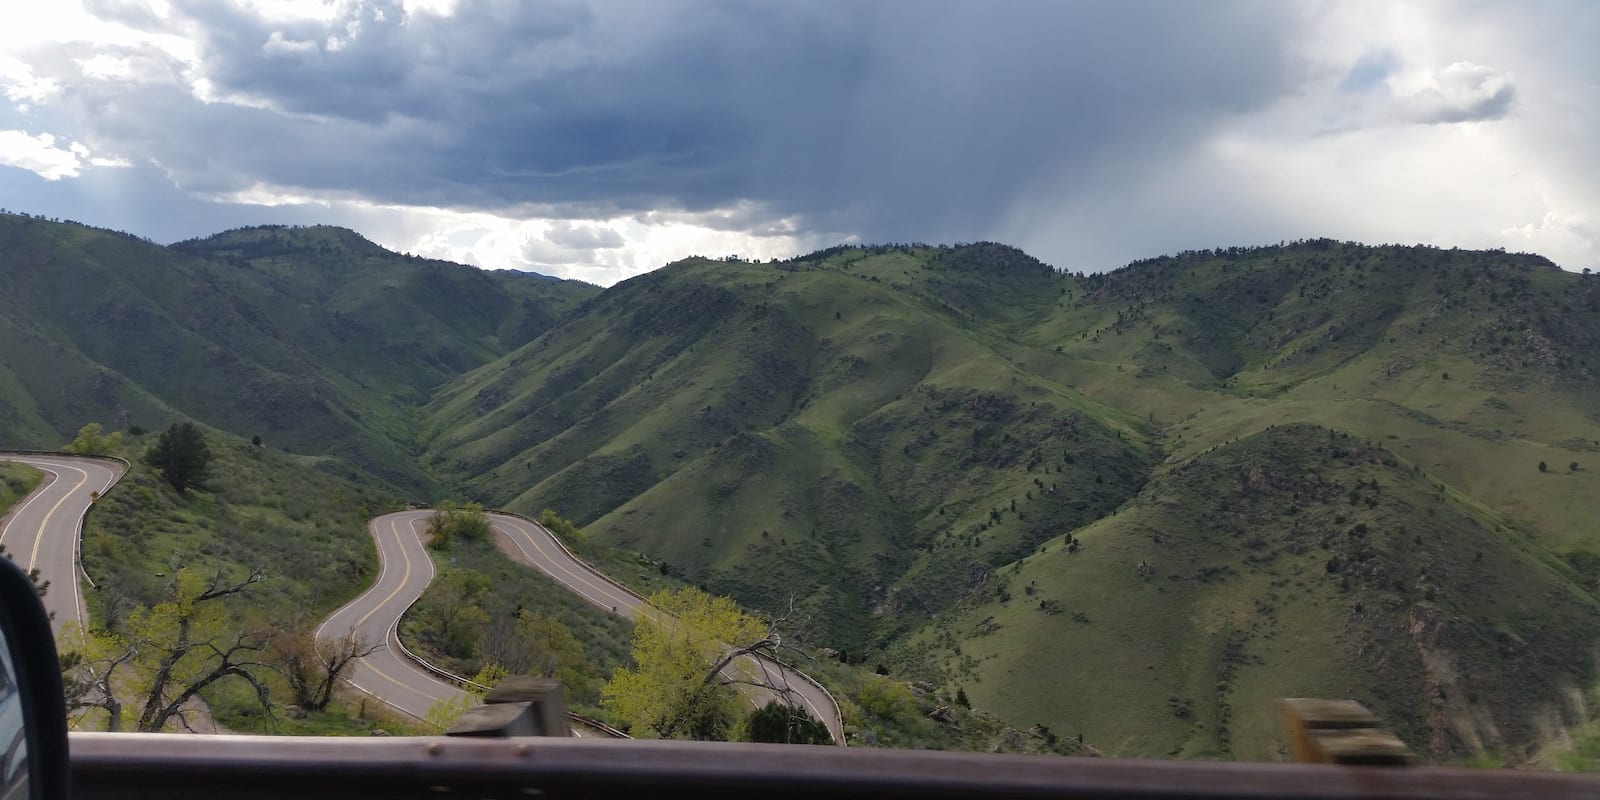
[(838, 713), (123, 462)]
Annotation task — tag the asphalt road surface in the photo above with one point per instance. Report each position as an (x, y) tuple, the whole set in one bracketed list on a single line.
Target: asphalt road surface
[(539, 549), (405, 571), (42, 531)]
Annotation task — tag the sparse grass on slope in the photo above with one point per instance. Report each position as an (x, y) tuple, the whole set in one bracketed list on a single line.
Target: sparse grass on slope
[(809, 431), (304, 529), (313, 338), (878, 433), (261, 509), (1297, 561), (16, 481)]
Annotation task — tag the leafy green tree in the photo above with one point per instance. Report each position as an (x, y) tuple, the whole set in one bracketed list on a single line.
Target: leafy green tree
[(675, 688), (563, 529), (443, 714), (313, 668), (452, 613), (537, 645), (92, 442), (884, 698), (172, 651), (182, 456), (451, 521), (783, 724)]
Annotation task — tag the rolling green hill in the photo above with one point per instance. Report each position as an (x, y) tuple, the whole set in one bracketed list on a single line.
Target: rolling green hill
[(1296, 561), (16, 481), (800, 430), (312, 338), (1140, 505), (893, 439)]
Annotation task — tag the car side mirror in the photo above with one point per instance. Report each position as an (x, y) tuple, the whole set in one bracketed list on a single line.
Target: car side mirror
[(33, 714)]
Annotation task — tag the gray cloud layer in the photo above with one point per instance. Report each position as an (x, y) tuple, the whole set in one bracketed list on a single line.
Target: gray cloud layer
[(892, 119), (1089, 132)]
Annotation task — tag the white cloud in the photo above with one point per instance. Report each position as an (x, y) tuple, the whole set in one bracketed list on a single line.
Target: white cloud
[(1413, 123), (21, 85), (437, 8), (1402, 121), (1462, 92), (40, 155), (1572, 236), (601, 250), (277, 45)]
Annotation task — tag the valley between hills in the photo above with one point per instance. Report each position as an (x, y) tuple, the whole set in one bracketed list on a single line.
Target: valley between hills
[(1136, 507)]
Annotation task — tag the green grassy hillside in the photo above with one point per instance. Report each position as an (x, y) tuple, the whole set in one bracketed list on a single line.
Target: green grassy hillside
[(823, 431), (1139, 505), (883, 435), (16, 481), (312, 338), (1296, 561), (305, 529)]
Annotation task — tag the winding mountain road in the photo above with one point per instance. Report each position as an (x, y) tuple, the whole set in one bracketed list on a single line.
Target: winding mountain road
[(540, 549), (42, 531), (391, 675), (405, 571)]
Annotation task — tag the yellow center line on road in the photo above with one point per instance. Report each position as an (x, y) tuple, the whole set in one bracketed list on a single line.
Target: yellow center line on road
[(39, 538), (395, 528), (405, 555), (582, 574), (38, 492), (577, 571), (386, 676)]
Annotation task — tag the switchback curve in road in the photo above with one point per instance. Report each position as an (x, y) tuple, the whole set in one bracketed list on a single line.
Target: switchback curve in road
[(404, 571), (392, 675), (43, 530), (541, 549)]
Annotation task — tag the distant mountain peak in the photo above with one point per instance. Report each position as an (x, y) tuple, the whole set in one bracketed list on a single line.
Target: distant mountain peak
[(286, 237)]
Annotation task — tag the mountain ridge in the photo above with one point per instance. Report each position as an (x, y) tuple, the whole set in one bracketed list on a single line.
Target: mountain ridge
[(954, 460), (141, 333)]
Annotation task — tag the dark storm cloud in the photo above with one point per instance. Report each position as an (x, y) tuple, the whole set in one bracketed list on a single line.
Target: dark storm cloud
[(888, 119)]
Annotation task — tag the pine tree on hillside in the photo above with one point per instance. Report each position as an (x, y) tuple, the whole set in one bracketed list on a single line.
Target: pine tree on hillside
[(182, 456)]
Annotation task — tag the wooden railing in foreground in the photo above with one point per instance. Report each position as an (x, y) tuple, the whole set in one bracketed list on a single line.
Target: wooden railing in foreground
[(304, 768)]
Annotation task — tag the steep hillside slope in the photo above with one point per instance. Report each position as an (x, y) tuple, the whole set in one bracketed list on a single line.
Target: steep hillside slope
[(820, 429), (312, 338), (1479, 366), (1297, 561), (884, 436)]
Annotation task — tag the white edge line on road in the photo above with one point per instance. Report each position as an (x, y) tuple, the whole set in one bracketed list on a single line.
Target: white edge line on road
[(38, 492), (583, 570), (77, 537)]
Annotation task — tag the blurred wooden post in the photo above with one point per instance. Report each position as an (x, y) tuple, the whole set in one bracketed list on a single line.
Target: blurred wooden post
[(1340, 732), (517, 706)]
